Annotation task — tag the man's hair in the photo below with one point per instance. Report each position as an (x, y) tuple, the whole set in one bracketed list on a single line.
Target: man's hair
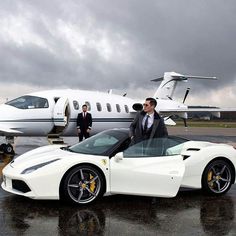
[(152, 101), (85, 105)]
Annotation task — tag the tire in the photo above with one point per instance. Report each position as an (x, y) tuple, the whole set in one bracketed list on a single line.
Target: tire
[(217, 177), (9, 149), (83, 184), (2, 147)]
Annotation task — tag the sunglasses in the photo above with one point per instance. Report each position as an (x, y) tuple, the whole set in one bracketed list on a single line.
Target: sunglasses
[(146, 105)]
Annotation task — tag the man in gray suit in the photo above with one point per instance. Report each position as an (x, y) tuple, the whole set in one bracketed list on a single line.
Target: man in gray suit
[(147, 124)]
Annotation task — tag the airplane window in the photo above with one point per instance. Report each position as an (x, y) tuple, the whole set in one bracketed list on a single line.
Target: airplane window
[(126, 109), (118, 108), (108, 107), (99, 107), (88, 105), (76, 105), (29, 102)]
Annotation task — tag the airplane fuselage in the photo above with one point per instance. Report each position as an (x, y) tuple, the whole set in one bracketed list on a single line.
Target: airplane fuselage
[(55, 111), (59, 109)]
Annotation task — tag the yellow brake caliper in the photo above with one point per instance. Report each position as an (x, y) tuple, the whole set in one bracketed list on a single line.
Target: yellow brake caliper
[(92, 184), (209, 177)]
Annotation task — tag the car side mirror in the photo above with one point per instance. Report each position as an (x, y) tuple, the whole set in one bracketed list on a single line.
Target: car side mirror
[(119, 156)]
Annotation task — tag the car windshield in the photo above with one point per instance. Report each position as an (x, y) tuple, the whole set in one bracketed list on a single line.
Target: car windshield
[(156, 147), (29, 102), (101, 144)]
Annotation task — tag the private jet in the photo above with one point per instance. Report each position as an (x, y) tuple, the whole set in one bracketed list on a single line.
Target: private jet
[(53, 113)]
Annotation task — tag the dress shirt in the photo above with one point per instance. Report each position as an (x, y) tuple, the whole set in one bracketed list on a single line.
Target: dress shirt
[(150, 120)]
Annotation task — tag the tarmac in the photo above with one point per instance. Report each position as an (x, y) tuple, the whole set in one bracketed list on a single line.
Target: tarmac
[(189, 213)]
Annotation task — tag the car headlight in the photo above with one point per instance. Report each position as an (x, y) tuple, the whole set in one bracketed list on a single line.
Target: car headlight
[(33, 168)]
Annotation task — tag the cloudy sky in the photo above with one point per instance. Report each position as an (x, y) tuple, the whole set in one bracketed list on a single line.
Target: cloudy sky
[(120, 45)]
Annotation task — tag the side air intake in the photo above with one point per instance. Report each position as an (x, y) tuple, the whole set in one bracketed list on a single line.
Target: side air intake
[(193, 149)]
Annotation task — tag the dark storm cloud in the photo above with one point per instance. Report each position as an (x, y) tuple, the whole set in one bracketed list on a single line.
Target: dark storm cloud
[(140, 39)]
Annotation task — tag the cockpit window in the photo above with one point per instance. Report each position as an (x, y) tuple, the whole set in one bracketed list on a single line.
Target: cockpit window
[(29, 102)]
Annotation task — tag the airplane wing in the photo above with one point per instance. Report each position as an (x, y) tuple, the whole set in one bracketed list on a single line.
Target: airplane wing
[(200, 109), (8, 131), (215, 111)]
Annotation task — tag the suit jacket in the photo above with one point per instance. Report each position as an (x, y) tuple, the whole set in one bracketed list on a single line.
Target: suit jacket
[(84, 123), (158, 128)]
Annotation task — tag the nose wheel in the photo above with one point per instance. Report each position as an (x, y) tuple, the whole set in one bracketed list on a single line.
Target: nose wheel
[(7, 149)]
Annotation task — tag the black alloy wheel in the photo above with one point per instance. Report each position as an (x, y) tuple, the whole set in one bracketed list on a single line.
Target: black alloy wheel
[(83, 184), (217, 177)]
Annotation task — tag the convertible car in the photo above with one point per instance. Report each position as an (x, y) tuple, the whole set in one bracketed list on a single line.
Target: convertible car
[(107, 163)]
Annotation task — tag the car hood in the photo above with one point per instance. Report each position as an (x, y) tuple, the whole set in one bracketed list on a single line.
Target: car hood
[(40, 155)]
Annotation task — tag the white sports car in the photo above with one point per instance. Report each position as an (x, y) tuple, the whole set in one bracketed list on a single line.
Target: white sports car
[(107, 164)]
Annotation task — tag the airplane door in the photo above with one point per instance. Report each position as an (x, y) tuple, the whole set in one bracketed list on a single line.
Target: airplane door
[(148, 176), (61, 112)]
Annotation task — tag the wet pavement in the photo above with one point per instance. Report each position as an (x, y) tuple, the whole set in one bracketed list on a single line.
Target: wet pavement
[(189, 213)]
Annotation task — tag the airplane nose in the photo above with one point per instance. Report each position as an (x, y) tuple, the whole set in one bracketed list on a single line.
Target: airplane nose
[(6, 112)]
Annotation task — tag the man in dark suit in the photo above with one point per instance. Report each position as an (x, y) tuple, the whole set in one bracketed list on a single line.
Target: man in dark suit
[(84, 123), (148, 124)]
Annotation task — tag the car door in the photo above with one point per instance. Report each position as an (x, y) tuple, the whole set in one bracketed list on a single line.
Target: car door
[(147, 170)]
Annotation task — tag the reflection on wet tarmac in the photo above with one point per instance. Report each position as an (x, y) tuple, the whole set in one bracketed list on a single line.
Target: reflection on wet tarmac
[(190, 211), (217, 219)]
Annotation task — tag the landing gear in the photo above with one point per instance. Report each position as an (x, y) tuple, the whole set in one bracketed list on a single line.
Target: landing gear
[(6, 155), (7, 149)]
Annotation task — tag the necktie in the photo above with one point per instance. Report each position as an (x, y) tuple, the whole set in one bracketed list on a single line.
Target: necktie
[(84, 115), (146, 124)]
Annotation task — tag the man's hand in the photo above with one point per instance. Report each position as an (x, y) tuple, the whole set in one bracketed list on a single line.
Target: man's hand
[(78, 131), (88, 130)]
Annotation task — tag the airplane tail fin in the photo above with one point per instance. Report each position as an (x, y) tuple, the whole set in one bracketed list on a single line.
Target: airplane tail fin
[(169, 82)]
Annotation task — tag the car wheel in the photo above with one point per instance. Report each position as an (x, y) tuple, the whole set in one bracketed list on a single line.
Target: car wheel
[(83, 184), (217, 177)]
